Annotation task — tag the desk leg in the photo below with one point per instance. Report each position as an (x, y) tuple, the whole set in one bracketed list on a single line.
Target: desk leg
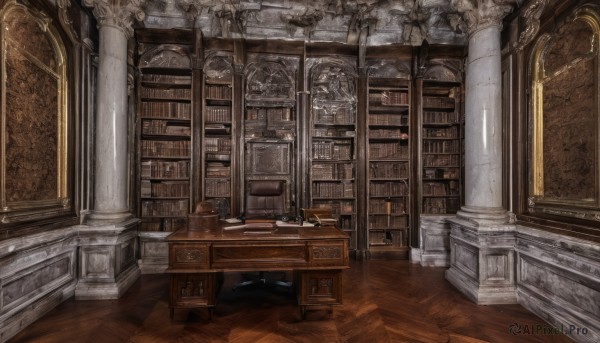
[(193, 290), (318, 288)]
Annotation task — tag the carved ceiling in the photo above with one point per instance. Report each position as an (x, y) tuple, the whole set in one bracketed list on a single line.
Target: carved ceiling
[(383, 21)]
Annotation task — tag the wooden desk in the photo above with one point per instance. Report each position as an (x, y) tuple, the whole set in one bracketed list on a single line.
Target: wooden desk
[(316, 255)]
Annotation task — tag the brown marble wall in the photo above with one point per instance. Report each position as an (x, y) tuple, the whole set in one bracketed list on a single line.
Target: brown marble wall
[(569, 117), (32, 114)]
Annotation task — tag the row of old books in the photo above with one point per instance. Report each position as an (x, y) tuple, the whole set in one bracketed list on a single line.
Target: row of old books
[(217, 188), (381, 206), (165, 208), (163, 127), (333, 189), (217, 144), (165, 189), (388, 119), (388, 170), (166, 93), (165, 149), (218, 114), (331, 171), (171, 110), (440, 188), (165, 169), (217, 170), (389, 98), (381, 222), (441, 160), (436, 147), (387, 189), (447, 132), (167, 79), (438, 102), (388, 151), (430, 117), (218, 92), (388, 133)]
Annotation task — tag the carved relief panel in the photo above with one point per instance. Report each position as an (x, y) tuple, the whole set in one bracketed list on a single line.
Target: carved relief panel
[(564, 121), (34, 111)]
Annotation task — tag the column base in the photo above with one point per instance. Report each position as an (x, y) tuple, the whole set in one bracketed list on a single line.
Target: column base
[(107, 260), (99, 218), (86, 290), (484, 216), (482, 257)]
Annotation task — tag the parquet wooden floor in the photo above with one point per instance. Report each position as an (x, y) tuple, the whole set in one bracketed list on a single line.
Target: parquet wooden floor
[(384, 301)]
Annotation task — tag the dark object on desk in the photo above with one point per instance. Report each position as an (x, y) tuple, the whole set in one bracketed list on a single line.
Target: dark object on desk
[(264, 199), (204, 218)]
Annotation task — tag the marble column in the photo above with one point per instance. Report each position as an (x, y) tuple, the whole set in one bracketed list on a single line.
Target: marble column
[(481, 238), (108, 240), (115, 19)]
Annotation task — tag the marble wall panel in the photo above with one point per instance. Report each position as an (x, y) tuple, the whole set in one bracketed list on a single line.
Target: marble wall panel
[(97, 262), (465, 258), (561, 285), (435, 241), (35, 281)]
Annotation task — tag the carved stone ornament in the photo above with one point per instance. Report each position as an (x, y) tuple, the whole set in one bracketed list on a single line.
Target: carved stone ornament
[(384, 21), (481, 14), (531, 15), (118, 13), (65, 20)]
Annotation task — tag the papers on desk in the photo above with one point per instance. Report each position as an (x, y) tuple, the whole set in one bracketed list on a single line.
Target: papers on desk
[(252, 226), (279, 223), (232, 220)]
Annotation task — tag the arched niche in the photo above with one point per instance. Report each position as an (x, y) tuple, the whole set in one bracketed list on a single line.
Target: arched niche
[(34, 111), (564, 117)]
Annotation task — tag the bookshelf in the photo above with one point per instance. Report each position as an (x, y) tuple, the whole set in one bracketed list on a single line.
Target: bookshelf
[(165, 120), (388, 159), (332, 143), (217, 142), (441, 147)]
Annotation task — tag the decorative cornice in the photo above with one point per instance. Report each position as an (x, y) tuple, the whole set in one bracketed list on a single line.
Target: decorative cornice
[(531, 15), (118, 13), (481, 14)]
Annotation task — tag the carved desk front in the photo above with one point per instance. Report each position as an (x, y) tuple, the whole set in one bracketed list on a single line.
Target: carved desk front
[(316, 255)]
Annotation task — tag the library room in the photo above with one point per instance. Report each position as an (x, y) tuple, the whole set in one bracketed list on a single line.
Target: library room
[(291, 170)]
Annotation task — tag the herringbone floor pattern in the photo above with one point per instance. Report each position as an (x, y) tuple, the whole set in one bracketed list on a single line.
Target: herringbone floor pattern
[(384, 301)]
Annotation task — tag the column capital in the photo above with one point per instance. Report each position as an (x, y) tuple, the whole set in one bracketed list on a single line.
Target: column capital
[(118, 13), (481, 14)]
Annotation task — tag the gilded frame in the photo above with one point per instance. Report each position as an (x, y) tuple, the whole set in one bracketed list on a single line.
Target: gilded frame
[(14, 211), (538, 202)]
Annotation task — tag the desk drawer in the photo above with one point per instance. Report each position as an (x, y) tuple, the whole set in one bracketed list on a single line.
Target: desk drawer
[(258, 255), (189, 256), (328, 253)]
